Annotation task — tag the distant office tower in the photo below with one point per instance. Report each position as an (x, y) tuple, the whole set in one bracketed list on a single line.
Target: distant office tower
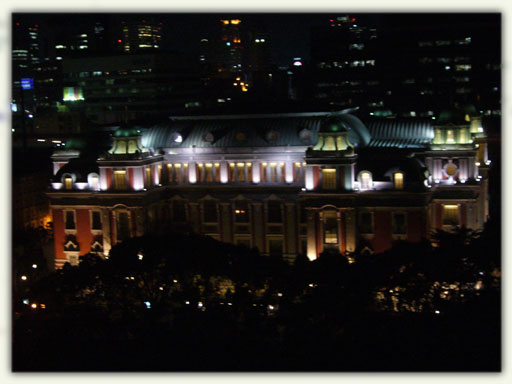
[(344, 63), (230, 49), (434, 62), (141, 34)]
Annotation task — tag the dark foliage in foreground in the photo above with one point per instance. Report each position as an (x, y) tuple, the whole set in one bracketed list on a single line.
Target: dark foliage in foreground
[(189, 303)]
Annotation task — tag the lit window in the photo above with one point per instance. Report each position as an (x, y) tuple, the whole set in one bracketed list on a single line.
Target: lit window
[(217, 172), (399, 180), (231, 172), (200, 172), (68, 183), (148, 177), (241, 211), (330, 227), (366, 180), (273, 172), (329, 178), (463, 136), (120, 179), (450, 214), (264, 172), (240, 172), (438, 136), (209, 172), (450, 136)]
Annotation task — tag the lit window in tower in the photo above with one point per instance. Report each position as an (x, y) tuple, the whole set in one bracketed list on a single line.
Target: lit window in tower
[(120, 179), (398, 179), (450, 214), (329, 178), (209, 173)]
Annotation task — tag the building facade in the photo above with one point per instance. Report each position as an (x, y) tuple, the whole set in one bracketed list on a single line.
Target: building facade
[(286, 184)]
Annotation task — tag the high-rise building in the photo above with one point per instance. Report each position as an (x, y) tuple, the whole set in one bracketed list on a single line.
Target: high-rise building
[(230, 49), (344, 63), (141, 34)]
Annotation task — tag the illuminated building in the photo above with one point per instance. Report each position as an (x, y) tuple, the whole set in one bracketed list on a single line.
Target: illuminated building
[(119, 87), (141, 34), (284, 183), (230, 50)]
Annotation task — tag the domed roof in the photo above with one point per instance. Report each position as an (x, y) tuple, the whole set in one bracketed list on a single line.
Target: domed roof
[(358, 134)]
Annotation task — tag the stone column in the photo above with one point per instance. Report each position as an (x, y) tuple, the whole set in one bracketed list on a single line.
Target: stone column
[(192, 172), (288, 167), (224, 172), (309, 179), (256, 171)]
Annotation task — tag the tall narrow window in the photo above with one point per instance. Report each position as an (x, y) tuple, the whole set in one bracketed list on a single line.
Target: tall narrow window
[(273, 172), (451, 214), (241, 211), (240, 174), (264, 176), (283, 175), (275, 214), (179, 211), (200, 172), (208, 172), (298, 171), (148, 177), (70, 220), (329, 178), (438, 136), (231, 172), (249, 172), (170, 173), (399, 223), (366, 180), (399, 180), (123, 226), (96, 220), (177, 173), (185, 173), (210, 211), (68, 183), (217, 172), (450, 136), (159, 173), (330, 227), (120, 179)]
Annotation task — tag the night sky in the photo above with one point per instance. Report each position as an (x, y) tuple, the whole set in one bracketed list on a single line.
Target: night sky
[(290, 32)]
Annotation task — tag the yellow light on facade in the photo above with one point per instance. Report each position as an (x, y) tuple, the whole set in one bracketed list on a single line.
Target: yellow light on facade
[(33, 306), (225, 22), (236, 21)]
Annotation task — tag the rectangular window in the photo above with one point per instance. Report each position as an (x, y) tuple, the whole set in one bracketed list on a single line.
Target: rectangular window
[(264, 177), (240, 174), (330, 227), (451, 215), (185, 173), (170, 173), (438, 136), (275, 246), (399, 180), (120, 179), (399, 223), (283, 175), (274, 214), (329, 178), (298, 171), (217, 172), (366, 180), (249, 172), (463, 136), (210, 211), (70, 219), (148, 177), (231, 172), (450, 136), (273, 172), (200, 172), (68, 183), (179, 211), (123, 226), (366, 223), (241, 211), (177, 173), (96, 220), (208, 172)]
